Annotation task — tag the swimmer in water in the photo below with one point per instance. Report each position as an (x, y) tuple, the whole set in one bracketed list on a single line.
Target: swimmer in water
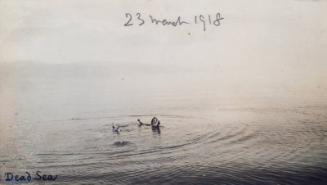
[(115, 129), (154, 122)]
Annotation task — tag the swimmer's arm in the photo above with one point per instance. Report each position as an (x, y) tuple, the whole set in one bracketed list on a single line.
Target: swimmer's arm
[(141, 123)]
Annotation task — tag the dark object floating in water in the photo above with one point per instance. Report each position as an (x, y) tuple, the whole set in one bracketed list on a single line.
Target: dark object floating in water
[(121, 143)]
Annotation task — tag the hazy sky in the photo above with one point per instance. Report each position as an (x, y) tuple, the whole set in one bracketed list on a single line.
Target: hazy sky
[(258, 39)]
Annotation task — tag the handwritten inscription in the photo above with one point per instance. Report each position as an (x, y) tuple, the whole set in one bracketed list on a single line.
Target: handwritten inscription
[(28, 177), (139, 19)]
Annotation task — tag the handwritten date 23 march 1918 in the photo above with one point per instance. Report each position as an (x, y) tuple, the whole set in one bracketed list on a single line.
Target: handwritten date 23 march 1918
[(139, 19)]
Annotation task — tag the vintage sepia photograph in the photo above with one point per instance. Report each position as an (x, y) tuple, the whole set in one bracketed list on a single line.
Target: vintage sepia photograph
[(172, 92)]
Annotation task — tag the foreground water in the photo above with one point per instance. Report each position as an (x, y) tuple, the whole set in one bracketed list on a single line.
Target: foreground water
[(64, 128)]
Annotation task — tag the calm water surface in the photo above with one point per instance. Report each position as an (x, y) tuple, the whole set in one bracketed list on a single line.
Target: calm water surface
[(62, 126)]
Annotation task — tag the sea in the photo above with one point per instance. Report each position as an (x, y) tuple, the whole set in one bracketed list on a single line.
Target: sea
[(56, 120)]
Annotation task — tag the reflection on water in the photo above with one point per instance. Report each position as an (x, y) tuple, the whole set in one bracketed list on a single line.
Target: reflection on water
[(66, 129)]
